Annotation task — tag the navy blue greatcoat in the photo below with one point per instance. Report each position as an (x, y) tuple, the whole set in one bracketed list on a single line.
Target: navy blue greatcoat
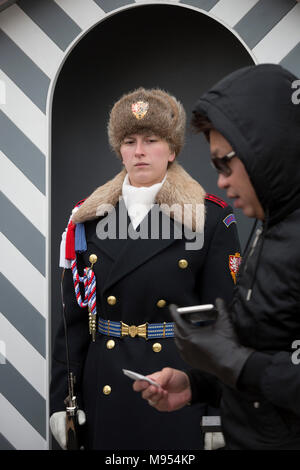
[(143, 277)]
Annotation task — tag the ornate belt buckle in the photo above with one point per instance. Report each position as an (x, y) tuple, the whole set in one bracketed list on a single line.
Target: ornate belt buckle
[(142, 330), (124, 329), (133, 331)]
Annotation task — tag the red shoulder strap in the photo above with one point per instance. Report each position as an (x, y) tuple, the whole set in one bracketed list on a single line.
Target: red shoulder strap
[(80, 202), (216, 200)]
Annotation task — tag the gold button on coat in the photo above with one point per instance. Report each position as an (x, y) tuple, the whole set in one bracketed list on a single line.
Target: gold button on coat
[(182, 263), (93, 259), (106, 390), (161, 303), (111, 300), (110, 344), (157, 347)]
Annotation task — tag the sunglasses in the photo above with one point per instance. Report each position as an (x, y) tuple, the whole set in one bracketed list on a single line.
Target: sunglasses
[(221, 164)]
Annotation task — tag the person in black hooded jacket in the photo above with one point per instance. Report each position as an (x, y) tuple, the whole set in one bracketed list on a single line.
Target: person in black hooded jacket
[(246, 360)]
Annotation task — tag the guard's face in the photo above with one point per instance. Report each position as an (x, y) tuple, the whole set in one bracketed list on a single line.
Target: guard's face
[(145, 158), (235, 181)]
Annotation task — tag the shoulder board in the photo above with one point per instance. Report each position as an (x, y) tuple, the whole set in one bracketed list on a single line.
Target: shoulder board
[(216, 200), (80, 203)]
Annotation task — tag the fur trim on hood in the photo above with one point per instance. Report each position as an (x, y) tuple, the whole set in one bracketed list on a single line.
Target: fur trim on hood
[(179, 192)]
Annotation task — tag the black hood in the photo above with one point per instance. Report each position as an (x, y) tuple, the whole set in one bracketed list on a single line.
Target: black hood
[(253, 109)]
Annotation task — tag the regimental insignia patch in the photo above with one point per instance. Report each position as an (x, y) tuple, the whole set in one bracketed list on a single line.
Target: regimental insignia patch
[(234, 264), (140, 109), (230, 219)]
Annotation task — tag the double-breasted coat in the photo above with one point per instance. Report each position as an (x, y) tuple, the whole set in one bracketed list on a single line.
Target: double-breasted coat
[(136, 280)]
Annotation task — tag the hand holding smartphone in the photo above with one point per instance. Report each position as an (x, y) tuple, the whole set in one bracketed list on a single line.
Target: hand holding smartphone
[(199, 313)]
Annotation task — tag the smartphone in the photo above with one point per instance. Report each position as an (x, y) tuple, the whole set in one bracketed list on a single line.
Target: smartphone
[(199, 313), (136, 376)]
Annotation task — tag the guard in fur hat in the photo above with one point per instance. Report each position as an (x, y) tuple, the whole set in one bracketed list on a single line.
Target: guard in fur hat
[(146, 239)]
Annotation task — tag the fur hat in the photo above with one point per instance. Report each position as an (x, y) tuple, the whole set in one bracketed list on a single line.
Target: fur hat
[(147, 110)]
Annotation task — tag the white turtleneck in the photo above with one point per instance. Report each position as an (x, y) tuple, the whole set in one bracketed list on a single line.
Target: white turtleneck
[(139, 200)]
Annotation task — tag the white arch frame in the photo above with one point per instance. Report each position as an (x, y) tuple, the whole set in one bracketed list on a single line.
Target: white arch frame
[(50, 95)]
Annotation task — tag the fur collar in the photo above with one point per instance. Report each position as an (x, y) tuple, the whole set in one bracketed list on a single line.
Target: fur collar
[(178, 189)]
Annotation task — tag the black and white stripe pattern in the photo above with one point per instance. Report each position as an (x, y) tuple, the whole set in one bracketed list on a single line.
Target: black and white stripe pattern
[(35, 38)]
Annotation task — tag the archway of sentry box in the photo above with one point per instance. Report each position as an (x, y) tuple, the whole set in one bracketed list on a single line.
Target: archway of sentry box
[(175, 48)]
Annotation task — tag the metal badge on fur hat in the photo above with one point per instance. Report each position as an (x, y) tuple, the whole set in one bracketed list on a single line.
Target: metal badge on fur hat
[(147, 111), (139, 109)]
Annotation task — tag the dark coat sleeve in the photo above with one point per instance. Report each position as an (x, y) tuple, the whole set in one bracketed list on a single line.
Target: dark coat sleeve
[(275, 378), (78, 341), (205, 388), (216, 281)]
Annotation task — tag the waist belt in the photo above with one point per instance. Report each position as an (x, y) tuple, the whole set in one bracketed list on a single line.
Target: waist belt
[(146, 331)]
